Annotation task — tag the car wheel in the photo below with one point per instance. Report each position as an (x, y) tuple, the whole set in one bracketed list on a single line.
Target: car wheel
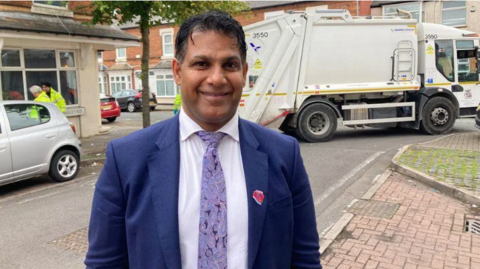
[(438, 116), (131, 107), (316, 123), (64, 166), (112, 119)]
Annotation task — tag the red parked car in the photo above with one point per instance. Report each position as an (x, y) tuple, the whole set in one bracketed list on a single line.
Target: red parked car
[(109, 107)]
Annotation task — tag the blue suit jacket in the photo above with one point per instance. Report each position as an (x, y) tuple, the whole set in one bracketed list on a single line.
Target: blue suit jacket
[(134, 221)]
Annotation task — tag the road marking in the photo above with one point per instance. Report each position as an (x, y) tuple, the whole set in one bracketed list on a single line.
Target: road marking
[(346, 178), (39, 197)]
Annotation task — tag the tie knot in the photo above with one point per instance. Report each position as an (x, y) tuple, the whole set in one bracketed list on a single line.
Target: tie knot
[(211, 139)]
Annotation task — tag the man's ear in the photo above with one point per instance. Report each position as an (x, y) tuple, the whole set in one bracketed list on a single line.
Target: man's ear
[(245, 71), (177, 71)]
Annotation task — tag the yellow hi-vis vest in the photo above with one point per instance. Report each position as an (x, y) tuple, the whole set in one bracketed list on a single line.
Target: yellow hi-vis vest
[(57, 99)]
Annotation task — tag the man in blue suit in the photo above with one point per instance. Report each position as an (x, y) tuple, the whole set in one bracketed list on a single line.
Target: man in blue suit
[(204, 189)]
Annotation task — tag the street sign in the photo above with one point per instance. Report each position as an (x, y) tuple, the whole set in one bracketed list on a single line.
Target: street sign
[(74, 111)]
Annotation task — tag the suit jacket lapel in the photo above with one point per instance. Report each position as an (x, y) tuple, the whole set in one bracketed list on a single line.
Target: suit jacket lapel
[(163, 170), (255, 166)]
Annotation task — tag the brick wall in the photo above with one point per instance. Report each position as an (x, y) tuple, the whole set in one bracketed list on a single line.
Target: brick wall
[(156, 47)]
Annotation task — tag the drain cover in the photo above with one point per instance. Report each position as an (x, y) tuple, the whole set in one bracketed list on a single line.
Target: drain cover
[(76, 241), (472, 226), (374, 208)]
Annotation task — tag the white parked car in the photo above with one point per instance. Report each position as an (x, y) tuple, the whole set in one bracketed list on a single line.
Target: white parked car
[(36, 138)]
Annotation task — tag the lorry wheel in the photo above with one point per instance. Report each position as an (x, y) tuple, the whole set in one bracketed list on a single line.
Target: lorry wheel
[(316, 123), (438, 116)]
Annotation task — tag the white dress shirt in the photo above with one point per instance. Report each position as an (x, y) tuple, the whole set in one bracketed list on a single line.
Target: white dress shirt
[(192, 149)]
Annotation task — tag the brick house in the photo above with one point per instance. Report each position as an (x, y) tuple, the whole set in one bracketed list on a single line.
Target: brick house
[(46, 41), (121, 68)]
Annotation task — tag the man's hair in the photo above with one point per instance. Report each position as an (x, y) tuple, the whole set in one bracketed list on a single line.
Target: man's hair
[(35, 89), (46, 83), (217, 21)]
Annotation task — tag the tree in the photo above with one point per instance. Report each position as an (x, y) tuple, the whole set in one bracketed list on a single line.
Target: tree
[(147, 14)]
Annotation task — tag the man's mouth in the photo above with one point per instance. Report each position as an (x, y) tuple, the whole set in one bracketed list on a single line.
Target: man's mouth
[(215, 94)]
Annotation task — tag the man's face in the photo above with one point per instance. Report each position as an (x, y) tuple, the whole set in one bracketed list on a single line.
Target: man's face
[(211, 78), (45, 88)]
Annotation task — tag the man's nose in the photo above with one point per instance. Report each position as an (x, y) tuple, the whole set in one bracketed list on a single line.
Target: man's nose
[(217, 76)]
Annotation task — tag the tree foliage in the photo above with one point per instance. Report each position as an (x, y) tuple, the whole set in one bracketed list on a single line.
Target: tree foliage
[(147, 14)]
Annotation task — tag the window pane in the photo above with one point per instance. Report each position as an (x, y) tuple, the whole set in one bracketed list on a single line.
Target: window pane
[(43, 114), (451, 4), (406, 7), (128, 78), (123, 78), (444, 58), (12, 85), (22, 116), (151, 73), (36, 77), (168, 39), (99, 55), (114, 90), (11, 58), (454, 17), (68, 83), (124, 86), (169, 76), (53, 3), (467, 67), (159, 76), (465, 44), (67, 59), (170, 87), (121, 53), (168, 49), (117, 78), (39, 58), (160, 88)]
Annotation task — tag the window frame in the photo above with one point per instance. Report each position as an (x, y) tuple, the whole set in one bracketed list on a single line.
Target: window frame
[(164, 80), (454, 8), (128, 85), (57, 69), (51, 6), (120, 58), (453, 60), (163, 33)]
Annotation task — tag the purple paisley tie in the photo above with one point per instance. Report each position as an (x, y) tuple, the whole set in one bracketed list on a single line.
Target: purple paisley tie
[(212, 243)]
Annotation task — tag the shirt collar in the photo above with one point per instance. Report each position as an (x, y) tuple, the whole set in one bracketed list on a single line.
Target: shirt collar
[(189, 127)]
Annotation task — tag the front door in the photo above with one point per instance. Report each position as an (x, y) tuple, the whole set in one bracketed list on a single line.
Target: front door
[(33, 134), (5, 153), (466, 76)]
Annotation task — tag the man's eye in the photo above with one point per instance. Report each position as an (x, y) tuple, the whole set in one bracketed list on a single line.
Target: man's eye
[(231, 65), (200, 64)]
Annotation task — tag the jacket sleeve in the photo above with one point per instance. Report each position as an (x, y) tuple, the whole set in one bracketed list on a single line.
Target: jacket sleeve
[(305, 251), (107, 235), (61, 102)]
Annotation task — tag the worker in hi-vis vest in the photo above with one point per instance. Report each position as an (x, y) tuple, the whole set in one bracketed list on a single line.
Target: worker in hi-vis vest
[(177, 104), (55, 97), (40, 96)]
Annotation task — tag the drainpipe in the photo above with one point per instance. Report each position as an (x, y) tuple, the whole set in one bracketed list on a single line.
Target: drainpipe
[(357, 8)]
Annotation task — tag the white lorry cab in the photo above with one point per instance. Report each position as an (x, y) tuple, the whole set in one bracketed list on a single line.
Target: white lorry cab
[(310, 71)]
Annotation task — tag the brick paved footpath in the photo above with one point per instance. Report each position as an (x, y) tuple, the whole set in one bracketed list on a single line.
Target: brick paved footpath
[(427, 231)]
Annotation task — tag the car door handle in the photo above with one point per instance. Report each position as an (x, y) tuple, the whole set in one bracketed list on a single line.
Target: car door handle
[(3, 147), (50, 136)]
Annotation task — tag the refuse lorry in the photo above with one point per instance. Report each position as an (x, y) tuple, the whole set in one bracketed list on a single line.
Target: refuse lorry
[(308, 72)]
